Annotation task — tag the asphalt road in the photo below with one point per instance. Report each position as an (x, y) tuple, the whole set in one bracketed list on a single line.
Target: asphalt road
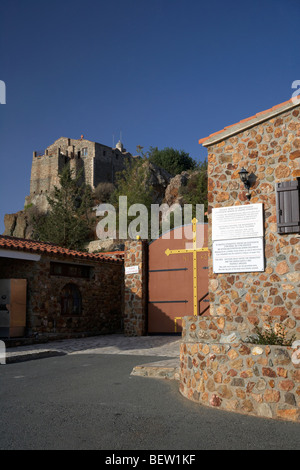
[(92, 402)]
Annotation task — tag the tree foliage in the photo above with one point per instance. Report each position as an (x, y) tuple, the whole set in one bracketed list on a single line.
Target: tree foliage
[(172, 160), (68, 221), (132, 182), (103, 191)]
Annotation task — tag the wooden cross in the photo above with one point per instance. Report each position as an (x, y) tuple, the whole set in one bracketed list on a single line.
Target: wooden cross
[(194, 250)]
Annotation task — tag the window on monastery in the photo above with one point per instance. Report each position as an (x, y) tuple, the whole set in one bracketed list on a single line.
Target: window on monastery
[(71, 303), (84, 151)]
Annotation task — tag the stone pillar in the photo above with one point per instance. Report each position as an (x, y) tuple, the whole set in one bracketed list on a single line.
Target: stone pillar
[(136, 287)]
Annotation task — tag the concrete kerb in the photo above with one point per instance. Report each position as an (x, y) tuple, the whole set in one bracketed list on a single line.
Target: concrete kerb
[(32, 355)]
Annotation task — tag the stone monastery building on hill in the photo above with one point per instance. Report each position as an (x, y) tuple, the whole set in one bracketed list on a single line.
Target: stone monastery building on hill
[(99, 163)]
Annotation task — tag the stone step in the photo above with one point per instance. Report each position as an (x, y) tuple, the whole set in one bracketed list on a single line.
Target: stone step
[(168, 369)]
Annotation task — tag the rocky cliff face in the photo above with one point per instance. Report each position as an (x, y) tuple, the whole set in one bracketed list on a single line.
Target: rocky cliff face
[(172, 193), (17, 225)]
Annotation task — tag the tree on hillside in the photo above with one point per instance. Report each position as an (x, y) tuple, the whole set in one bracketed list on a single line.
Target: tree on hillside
[(132, 182), (172, 160), (68, 221), (103, 191)]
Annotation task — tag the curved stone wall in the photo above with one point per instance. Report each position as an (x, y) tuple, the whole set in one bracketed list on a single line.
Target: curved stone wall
[(260, 380)]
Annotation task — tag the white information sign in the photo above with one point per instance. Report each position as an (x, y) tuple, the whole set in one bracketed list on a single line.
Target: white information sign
[(131, 269), (237, 222), (238, 256)]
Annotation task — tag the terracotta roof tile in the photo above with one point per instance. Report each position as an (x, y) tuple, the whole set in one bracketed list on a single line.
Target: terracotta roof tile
[(257, 115), (22, 244)]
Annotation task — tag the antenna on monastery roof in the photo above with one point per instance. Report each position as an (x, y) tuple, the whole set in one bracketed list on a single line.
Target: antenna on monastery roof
[(113, 141)]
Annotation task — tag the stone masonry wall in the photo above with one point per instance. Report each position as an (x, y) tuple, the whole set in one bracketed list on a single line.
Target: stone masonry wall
[(136, 288), (46, 168), (271, 151), (220, 371), (219, 328), (44, 173), (219, 366), (102, 295), (108, 161), (99, 163)]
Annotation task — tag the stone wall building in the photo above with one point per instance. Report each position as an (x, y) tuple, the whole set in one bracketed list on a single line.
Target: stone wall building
[(99, 163), (68, 292), (219, 366), (268, 146)]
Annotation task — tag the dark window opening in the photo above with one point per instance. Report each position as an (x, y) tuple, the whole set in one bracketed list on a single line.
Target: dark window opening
[(71, 303), (70, 270)]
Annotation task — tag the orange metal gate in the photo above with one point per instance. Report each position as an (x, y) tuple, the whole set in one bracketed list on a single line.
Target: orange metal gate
[(178, 278)]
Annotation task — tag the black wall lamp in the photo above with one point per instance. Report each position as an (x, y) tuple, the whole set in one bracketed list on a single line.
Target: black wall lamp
[(246, 180)]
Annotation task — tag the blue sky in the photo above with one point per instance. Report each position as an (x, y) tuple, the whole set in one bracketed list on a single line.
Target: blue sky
[(162, 72)]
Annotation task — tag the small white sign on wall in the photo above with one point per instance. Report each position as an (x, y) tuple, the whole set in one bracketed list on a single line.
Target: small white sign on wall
[(131, 269)]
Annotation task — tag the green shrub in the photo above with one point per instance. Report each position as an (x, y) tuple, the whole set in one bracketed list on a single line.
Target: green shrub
[(272, 336)]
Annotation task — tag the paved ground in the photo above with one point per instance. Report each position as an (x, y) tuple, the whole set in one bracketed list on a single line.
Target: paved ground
[(162, 346), (93, 402), (70, 394)]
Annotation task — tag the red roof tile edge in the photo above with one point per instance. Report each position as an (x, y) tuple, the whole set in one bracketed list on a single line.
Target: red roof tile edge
[(257, 115), (22, 244)]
